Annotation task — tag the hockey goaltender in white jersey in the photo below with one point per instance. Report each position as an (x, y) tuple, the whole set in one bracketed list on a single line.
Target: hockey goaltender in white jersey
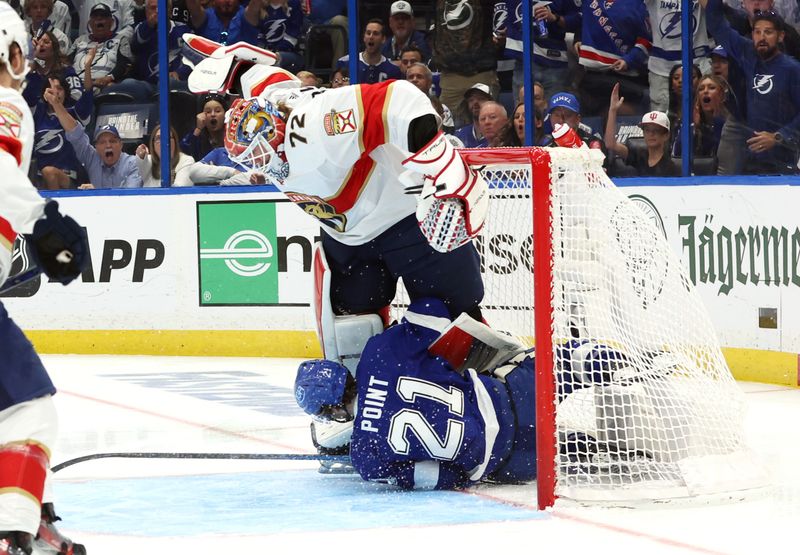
[(344, 151)]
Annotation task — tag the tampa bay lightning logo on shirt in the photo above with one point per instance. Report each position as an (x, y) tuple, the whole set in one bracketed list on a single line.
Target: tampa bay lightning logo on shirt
[(49, 141), (762, 84), (518, 14), (670, 25), (500, 15), (274, 31), (457, 14)]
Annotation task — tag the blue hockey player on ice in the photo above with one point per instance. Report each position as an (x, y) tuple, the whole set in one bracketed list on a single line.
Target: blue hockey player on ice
[(420, 421)]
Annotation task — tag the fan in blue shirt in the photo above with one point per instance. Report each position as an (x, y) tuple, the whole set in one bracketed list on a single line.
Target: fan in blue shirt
[(373, 67), (773, 91)]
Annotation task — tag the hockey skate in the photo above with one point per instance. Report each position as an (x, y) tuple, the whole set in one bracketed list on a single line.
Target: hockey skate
[(49, 541)]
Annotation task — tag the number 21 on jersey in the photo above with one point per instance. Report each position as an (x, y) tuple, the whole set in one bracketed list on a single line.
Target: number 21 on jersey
[(413, 421)]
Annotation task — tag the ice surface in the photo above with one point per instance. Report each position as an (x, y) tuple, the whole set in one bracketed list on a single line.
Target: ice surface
[(244, 405)]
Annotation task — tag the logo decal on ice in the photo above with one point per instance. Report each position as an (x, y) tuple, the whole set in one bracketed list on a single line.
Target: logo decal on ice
[(245, 261)]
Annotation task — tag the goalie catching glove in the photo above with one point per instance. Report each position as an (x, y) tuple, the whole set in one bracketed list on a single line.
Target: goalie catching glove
[(453, 197), (59, 245)]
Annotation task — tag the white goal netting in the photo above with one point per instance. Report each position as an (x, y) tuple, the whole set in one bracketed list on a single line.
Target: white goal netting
[(645, 406)]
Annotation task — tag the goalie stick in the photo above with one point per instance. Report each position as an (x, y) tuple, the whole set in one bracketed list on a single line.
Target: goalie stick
[(238, 456), (20, 278)]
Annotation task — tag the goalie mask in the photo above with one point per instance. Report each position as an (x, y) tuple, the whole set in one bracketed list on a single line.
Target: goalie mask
[(254, 134)]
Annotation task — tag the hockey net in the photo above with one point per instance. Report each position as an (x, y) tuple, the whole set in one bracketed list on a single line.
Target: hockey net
[(634, 399)]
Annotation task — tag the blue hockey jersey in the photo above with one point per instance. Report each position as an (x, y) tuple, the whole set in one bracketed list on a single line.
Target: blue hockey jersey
[(421, 424), (549, 51), (369, 74), (281, 29), (51, 147), (614, 30)]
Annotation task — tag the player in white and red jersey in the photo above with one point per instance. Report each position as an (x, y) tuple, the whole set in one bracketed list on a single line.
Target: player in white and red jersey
[(371, 163), (58, 246)]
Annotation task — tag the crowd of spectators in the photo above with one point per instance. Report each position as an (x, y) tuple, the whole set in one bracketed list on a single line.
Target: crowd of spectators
[(599, 66)]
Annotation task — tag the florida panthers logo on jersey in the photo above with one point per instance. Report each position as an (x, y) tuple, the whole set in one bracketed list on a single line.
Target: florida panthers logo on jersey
[(762, 84), (10, 120), (321, 210), (338, 123)]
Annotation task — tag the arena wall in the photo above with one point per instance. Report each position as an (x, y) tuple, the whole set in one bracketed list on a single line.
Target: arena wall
[(227, 271)]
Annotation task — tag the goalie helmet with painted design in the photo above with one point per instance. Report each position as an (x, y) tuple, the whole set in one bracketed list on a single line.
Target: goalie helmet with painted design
[(254, 134), (12, 30)]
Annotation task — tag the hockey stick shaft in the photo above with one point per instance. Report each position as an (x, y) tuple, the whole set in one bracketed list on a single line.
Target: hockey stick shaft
[(20, 278), (227, 456)]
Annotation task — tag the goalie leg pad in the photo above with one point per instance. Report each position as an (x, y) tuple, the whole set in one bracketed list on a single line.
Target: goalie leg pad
[(342, 337), (446, 176)]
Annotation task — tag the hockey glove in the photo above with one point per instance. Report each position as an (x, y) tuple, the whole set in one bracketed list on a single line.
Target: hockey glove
[(454, 198), (59, 245)]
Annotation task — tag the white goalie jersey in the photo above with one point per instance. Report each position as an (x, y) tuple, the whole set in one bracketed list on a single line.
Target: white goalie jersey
[(345, 149)]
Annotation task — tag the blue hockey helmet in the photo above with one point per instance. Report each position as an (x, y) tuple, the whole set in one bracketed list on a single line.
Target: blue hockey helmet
[(320, 383)]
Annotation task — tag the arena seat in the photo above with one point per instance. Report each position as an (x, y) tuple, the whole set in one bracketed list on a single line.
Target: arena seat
[(319, 58)]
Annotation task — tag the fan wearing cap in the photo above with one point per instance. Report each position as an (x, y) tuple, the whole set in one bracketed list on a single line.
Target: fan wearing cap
[(105, 163), (111, 50), (401, 23), (565, 108), (652, 160), (475, 97), (772, 101), (373, 67)]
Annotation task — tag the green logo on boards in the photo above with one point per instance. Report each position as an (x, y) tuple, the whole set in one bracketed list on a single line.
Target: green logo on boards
[(236, 242)]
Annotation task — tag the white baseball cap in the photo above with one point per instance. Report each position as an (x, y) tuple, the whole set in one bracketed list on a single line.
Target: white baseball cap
[(401, 7), (479, 87), (656, 117)]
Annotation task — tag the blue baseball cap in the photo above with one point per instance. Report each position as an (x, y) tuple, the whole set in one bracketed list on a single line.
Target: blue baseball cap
[(564, 100), (106, 129), (719, 51), (318, 383)]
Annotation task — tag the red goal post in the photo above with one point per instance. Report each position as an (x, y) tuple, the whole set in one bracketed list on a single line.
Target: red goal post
[(634, 401)]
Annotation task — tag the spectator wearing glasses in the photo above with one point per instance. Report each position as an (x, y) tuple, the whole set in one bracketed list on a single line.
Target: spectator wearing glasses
[(373, 67), (225, 21), (340, 78), (122, 12), (110, 50), (773, 96), (401, 23)]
